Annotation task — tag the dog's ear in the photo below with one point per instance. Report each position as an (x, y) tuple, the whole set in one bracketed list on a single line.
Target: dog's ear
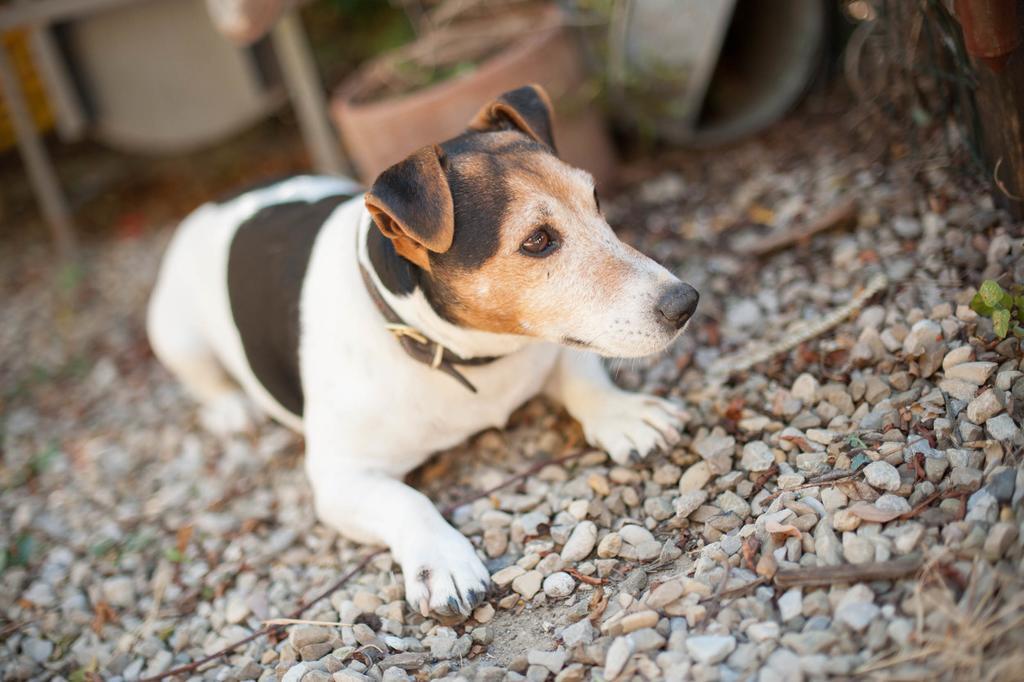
[(527, 109), (412, 206)]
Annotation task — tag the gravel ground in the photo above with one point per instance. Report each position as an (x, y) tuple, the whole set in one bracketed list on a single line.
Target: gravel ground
[(135, 542)]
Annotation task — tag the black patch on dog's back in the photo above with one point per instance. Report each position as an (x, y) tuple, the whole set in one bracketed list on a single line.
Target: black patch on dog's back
[(266, 267)]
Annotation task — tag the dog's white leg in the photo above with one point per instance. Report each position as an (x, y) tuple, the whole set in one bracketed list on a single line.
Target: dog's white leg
[(442, 570), (183, 350), (626, 425)]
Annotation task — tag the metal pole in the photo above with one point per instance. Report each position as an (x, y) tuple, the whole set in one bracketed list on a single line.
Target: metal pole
[(307, 95), (40, 171)]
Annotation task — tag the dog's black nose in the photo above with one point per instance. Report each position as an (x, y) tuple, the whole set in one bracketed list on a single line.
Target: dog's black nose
[(677, 304)]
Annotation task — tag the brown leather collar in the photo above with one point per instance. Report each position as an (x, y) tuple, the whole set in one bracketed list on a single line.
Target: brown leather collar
[(419, 347)]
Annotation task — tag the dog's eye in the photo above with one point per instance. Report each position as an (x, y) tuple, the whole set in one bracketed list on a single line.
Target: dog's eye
[(539, 243), (597, 202)]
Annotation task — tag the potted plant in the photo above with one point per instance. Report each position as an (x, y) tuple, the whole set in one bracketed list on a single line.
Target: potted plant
[(428, 90)]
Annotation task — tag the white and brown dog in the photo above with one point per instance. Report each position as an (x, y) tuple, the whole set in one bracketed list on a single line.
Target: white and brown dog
[(386, 326)]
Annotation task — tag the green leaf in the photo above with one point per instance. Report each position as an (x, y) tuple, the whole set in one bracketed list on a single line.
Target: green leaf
[(991, 293), (1001, 322), (23, 550), (173, 555), (979, 306), (859, 461)]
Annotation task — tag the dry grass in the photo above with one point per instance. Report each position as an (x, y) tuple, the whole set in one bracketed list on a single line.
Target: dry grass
[(972, 631)]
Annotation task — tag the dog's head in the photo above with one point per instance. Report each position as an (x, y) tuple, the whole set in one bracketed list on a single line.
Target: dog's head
[(510, 239)]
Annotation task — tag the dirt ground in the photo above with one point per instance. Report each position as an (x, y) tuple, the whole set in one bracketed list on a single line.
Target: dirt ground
[(134, 542)]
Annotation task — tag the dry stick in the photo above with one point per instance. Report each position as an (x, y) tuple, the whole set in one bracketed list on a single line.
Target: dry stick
[(447, 511), (195, 665), (842, 215), (849, 573), (742, 360), (276, 625)]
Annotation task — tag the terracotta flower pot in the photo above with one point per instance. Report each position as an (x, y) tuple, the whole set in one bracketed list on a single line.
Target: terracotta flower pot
[(380, 132)]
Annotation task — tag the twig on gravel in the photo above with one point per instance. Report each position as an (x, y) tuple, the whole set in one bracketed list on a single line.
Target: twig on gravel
[(195, 665), (830, 478), (819, 576), (302, 621), (843, 215), (576, 454), (741, 589), (588, 579), (727, 366), (926, 502), (276, 626)]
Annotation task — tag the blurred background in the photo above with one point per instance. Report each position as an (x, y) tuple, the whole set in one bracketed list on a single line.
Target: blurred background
[(120, 115)]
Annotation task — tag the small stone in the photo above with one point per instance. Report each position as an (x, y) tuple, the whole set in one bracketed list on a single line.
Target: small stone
[(763, 632), (483, 613), (958, 356), (665, 594), (346, 675), (984, 407), (581, 632), (710, 649), (757, 456), (907, 537), (935, 468), (367, 602), (636, 621), (646, 639), (552, 660), (39, 650), (636, 535), (314, 652), (976, 373), (237, 609), (892, 503), (731, 502), (791, 604), (876, 390), (924, 335), (882, 475), (833, 499), (745, 314), (689, 502), (999, 539), (695, 478), (857, 550), (822, 436), (617, 657), (580, 543), (507, 575), (528, 584), (1003, 429), (559, 585), (609, 546), (119, 591), (1002, 485), (856, 608), (495, 542), (296, 672), (714, 446), (805, 388), (304, 635), (844, 520), (968, 478)]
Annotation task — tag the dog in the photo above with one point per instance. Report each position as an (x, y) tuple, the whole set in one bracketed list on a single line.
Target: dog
[(472, 276)]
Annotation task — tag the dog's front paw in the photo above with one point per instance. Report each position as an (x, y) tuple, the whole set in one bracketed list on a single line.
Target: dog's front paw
[(631, 425), (443, 574)]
